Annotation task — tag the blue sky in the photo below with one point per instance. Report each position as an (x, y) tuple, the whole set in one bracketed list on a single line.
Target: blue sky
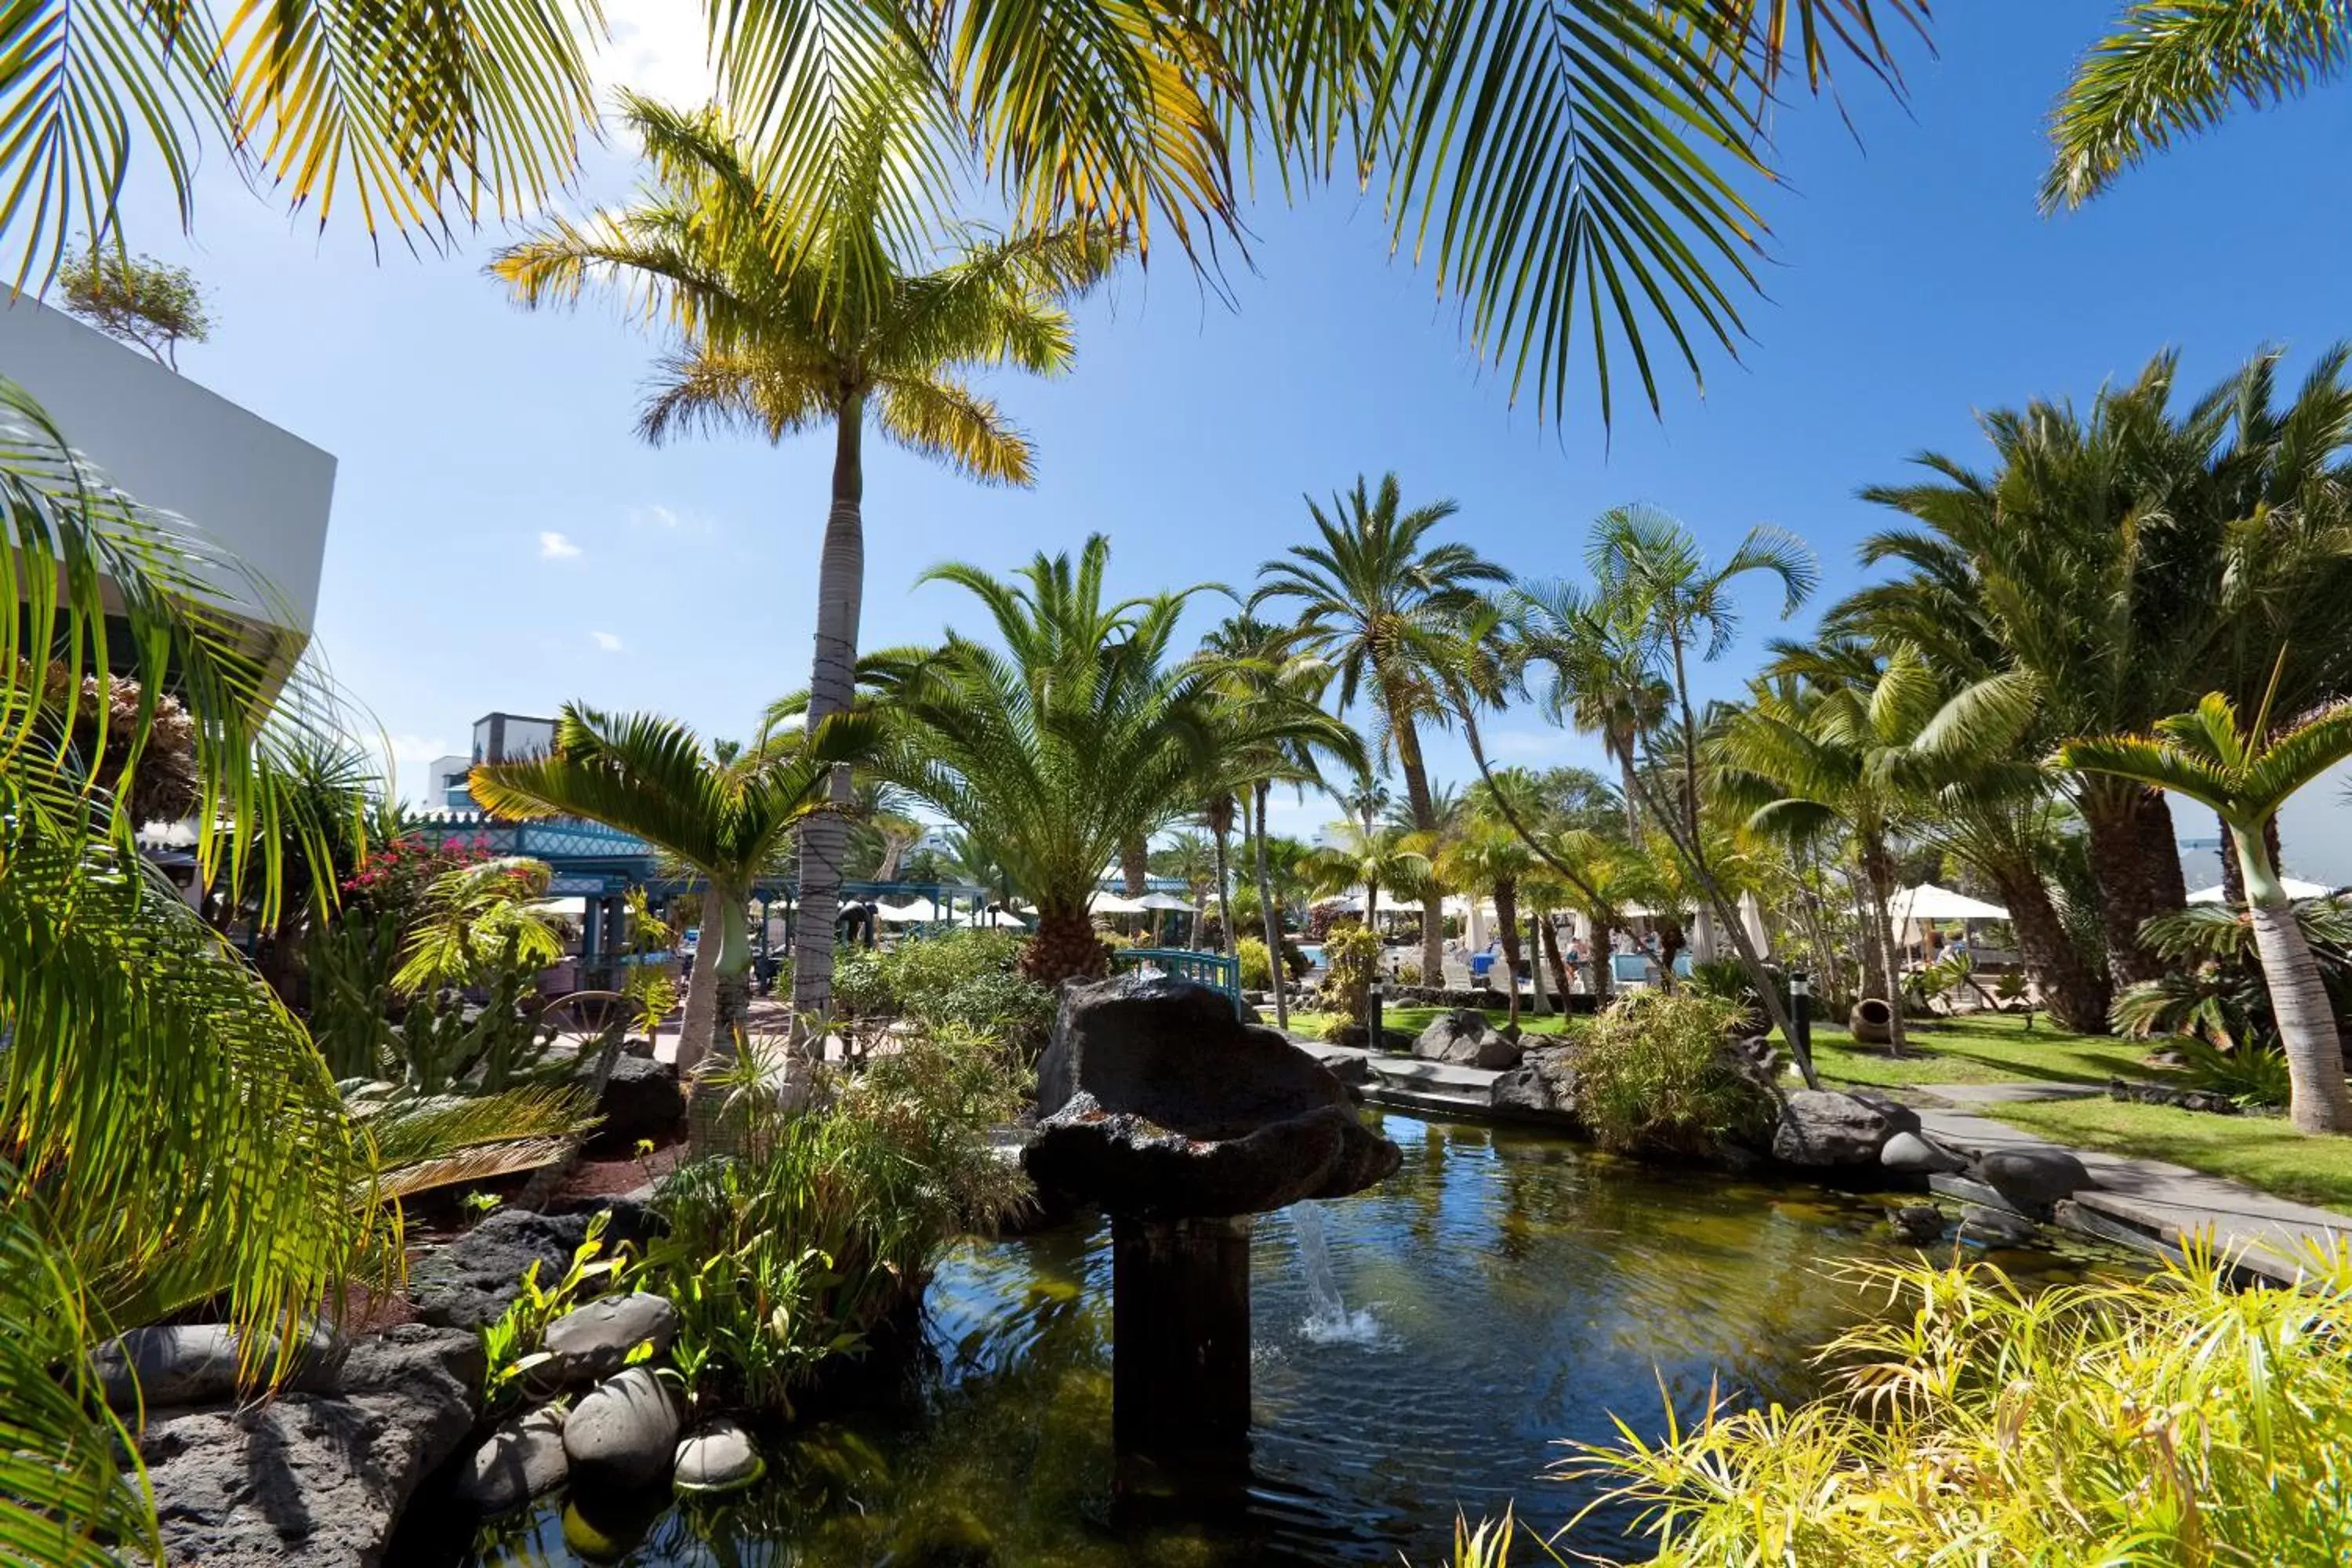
[(1911, 282)]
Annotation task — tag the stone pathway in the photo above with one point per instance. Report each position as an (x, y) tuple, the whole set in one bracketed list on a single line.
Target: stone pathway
[(2153, 1200)]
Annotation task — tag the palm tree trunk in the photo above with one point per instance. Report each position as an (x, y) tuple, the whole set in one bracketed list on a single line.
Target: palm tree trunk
[(1065, 947), (1632, 789), (694, 1028), (2306, 1022), (709, 1130), (1538, 929), (2136, 864), (1873, 952), (1878, 870), (1559, 963), (1423, 807), (2075, 992), (1221, 828), (1270, 916), (1506, 915), (1134, 866), (1604, 960), (833, 684)]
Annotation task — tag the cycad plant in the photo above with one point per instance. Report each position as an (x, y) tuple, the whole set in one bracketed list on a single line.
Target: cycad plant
[(808, 309), (1075, 734), (2244, 773), (651, 776)]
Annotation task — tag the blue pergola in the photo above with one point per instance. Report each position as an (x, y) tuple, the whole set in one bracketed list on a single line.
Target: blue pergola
[(599, 865)]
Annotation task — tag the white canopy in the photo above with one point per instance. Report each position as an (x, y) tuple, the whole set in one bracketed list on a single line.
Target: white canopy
[(1159, 901), (1003, 919), (2295, 888), (1929, 902), (1115, 904), (922, 911)]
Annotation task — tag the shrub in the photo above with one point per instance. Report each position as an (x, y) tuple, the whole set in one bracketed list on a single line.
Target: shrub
[(2254, 1076), (1408, 974), (1653, 1076), (1352, 954), (1257, 968), (955, 980), (831, 1219), (2170, 1419)]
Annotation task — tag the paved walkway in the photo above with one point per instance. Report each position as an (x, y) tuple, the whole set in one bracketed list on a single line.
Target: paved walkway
[(2168, 1203)]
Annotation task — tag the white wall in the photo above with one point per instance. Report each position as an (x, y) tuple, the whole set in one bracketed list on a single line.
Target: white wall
[(171, 443)]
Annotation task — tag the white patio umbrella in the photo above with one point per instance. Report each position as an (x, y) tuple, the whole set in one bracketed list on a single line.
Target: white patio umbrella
[(1929, 902), (919, 912), (1159, 901), (2295, 888), (997, 920), (1115, 904)]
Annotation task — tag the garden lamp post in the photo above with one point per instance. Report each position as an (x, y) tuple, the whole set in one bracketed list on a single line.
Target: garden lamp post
[(1801, 1007)]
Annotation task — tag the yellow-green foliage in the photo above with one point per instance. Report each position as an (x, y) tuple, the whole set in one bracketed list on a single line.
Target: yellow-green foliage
[(1258, 969), (2174, 1420), (1351, 953), (1653, 1076)]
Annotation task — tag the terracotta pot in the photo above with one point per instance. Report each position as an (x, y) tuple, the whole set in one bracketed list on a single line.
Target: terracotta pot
[(1871, 1022)]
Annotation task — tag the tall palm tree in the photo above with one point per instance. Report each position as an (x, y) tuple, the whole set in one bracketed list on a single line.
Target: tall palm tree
[(653, 777), (1384, 605), (1193, 860), (1354, 855), (797, 317), (1257, 661), (1599, 680), (418, 122), (1078, 732), (2171, 70), (1485, 858), (2244, 773)]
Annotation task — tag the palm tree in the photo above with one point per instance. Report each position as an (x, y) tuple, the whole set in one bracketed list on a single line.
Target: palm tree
[(1383, 606), (795, 317), (254, 1194), (1354, 855), (1257, 662), (2244, 773), (421, 121), (1600, 683), (2170, 71), (1193, 860), (1484, 858), (652, 777), (1076, 734), (2113, 565)]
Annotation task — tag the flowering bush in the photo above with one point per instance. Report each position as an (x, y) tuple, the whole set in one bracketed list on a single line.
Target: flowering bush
[(393, 879)]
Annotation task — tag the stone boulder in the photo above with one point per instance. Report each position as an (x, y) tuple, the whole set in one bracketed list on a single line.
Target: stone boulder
[(641, 1099), (515, 1463), (196, 1364), (623, 1431), (469, 1282), (595, 1340), (1352, 1070), (1919, 1224), (718, 1457), (1543, 1084), (1917, 1154), (2033, 1178), (1466, 1038), (1155, 1101), (1822, 1129), (316, 1478)]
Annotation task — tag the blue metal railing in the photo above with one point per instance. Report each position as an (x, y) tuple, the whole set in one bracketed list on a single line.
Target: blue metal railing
[(1207, 968)]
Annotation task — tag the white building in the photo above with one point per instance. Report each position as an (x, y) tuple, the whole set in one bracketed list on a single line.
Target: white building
[(175, 446)]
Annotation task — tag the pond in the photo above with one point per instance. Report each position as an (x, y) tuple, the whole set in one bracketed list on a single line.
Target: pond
[(1504, 1290)]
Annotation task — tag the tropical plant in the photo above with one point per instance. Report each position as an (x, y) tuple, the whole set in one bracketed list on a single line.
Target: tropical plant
[(1485, 858), (800, 308), (2243, 773), (115, 998), (1076, 734), (1654, 1075), (1609, 186), (1598, 682), (651, 776), (2172, 1418), (2112, 567), (480, 919), (2212, 987), (1256, 964), (509, 1340), (2253, 1075), (831, 1217), (1351, 958), (965, 981), (1384, 607), (2172, 68)]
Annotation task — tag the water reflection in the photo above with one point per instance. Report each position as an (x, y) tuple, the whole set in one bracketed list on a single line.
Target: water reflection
[(1522, 1290)]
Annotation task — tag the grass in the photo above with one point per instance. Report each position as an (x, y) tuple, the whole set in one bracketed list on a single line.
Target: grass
[(1413, 1020), (1979, 1049), (2261, 1151)]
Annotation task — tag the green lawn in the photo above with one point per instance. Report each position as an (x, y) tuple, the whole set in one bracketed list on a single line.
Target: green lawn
[(2262, 1150), (1983, 1050), (1412, 1020)]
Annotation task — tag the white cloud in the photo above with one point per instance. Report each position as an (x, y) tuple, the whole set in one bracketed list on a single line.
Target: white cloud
[(667, 520), (554, 546), (607, 641), (658, 47), (418, 748)]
